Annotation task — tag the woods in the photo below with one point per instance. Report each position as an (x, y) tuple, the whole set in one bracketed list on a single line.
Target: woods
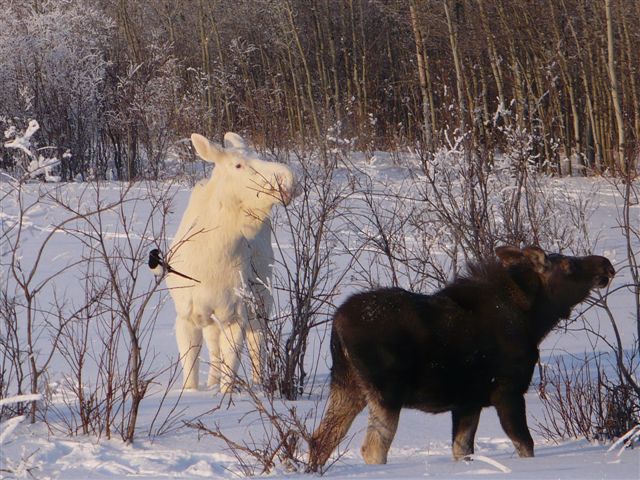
[(120, 83)]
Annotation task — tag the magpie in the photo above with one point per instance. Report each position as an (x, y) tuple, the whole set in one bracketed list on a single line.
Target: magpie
[(159, 267)]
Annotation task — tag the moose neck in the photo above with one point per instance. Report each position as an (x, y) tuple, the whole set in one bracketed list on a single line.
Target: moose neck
[(254, 223), (555, 303), (544, 320), (530, 294)]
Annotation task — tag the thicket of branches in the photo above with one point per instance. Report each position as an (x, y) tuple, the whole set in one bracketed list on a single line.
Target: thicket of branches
[(119, 82)]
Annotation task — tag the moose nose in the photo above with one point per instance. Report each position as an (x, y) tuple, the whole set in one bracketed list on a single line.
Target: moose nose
[(606, 267), (288, 187), (286, 196), (611, 272)]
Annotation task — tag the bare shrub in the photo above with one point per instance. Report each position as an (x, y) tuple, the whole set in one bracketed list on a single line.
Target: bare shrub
[(396, 240), (120, 310), (458, 206), (13, 376), (280, 440), (307, 278), (32, 326), (104, 325), (581, 399), (481, 202), (595, 400)]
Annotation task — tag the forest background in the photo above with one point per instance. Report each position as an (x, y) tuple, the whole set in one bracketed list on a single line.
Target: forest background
[(120, 84)]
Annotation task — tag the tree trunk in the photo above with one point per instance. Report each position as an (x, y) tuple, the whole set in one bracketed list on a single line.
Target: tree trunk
[(453, 41), (613, 79), (632, 75), (422, 77), (494, 59), (206, 67), (518, 93), (307, 73)]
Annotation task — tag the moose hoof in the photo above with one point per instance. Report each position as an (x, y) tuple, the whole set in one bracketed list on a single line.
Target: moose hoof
[(228, 388), (463, 456), (373, 456), (190, 386), (524, 451)]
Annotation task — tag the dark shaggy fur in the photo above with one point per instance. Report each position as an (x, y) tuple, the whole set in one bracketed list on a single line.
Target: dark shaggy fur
[(471, 345)]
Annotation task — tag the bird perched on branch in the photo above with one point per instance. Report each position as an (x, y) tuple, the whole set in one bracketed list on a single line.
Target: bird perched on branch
[(160, 267)]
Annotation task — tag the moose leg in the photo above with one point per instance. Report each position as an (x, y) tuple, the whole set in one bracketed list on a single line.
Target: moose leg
[(383, 423), (211, 335), (231, 344), (513, 418), (189, 338), (346, 400), (255, 345), (465, 424), (258, 315)]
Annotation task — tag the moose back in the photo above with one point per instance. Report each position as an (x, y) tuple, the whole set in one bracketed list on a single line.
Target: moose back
[(471, 345)]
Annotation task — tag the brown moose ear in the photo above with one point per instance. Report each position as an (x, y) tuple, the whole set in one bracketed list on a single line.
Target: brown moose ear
[(537, 257), (509, 255), (565, 265)]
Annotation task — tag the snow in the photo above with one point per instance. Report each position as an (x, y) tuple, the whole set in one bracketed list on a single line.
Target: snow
[(20, 398), (166, 448), (37, 164), (420, 449), (22, 142), (9, 426)]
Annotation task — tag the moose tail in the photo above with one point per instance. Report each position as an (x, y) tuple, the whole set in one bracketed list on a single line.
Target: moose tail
[(346, 400)]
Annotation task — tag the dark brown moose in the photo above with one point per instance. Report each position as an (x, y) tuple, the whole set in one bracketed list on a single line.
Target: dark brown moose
[(471, 345)]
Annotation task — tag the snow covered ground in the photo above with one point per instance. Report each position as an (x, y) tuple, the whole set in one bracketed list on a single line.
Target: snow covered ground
[(422, 446)]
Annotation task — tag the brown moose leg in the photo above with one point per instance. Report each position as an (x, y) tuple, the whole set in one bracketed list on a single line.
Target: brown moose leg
[(465, 424), (345, 402), (383, 423), (513, 418)]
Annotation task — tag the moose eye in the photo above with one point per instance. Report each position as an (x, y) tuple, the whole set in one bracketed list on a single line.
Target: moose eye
[(238, 165)]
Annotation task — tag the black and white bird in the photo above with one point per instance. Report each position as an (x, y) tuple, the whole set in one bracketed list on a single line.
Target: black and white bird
[(160, 267)]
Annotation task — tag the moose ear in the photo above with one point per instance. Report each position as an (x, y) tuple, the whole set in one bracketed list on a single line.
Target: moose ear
[(565, 265), (509, 255), (208, 151), (235, 141), (537, 257), (533, 255)]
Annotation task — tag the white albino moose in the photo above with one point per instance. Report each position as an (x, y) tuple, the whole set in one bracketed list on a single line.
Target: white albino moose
[(224, 244)]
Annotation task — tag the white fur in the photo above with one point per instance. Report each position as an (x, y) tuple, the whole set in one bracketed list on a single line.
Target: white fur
[(224, 241)]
